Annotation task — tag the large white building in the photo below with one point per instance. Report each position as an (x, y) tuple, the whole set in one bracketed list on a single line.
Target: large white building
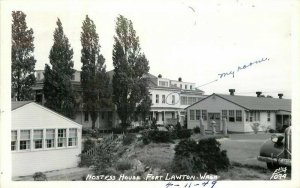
[(42, 140), (169, 98)]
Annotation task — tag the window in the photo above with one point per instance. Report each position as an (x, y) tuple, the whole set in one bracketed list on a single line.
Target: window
[(192, 100), (192, 114), (251, 117), (258, 116), (173, 115), (224, 114), (180, 86), (198, 114), (38, 76), (61, 142), (238, 115), (163, 99), (173, 99), (269, 116), (191, 87), (14, 140), (204, 115), (50, 136), (163, 116), (185, 86), (151, 98), (157, 98), (163, 83), (38, 139), (25, 140), (86, 116), (156, 116), (72, 137), (73, 77), (231, 116), (103, 115), (247, 116), (183, 100)]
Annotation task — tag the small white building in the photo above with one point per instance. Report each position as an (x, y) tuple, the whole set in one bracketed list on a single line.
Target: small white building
[(42, 140), (241, 112)]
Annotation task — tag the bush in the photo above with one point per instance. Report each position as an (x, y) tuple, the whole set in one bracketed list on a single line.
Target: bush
[(85, 160), (255, 127), (123, 165), (128, 139), (88, 144), (102, 161), (204, 156), (39, 176), (272, 131), (196, 130), (118, 130), (156, 136), (136, 129), (184, 133)]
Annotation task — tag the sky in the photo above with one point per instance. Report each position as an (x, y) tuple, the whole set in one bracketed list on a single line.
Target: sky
[(195, 40)]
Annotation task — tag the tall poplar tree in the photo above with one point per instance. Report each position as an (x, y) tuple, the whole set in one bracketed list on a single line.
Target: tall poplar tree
[(58, 90), (23, 61), (94, 79), (130, 86)]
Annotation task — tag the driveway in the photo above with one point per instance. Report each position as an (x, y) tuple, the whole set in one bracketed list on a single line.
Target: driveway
[(244, 148)]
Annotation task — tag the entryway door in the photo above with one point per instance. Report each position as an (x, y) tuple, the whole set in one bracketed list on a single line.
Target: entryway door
[(216, 118)]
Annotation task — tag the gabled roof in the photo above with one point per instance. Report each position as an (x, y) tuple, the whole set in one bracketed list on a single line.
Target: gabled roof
[(18, 104), (256, 103), (21, 104)]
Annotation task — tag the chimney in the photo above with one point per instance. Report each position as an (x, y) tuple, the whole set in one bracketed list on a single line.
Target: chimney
[(179, 79), (258, 93), (159, 76), (280, 95), (231, 91)]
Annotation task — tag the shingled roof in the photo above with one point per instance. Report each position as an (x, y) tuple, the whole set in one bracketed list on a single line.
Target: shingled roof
[(255, 103), (258, 103)]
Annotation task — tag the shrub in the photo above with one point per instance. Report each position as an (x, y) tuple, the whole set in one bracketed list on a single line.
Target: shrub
[(136, 129), (272, 131), (128, 139), (87, 145), (118, 130), (178, 126), (204, 156), (85, 160), (123, 165), (196, 130), (39, 176), (254, 127), (156, 136), (184, 133), (102, 160)]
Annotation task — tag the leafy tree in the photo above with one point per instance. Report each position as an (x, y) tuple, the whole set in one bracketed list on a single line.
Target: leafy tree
[(23, 62), (130, 85), (58, 90), (94, 80)]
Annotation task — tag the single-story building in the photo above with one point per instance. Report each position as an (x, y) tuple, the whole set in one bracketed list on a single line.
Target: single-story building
[(241, 112), (42, 140)]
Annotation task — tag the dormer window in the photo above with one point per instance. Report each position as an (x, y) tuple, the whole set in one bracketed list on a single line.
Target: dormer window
[(163, 83), (191, 87)]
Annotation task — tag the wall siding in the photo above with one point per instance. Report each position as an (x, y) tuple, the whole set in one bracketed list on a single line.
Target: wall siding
[(27, 163), (215, 104), (33, 116)]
